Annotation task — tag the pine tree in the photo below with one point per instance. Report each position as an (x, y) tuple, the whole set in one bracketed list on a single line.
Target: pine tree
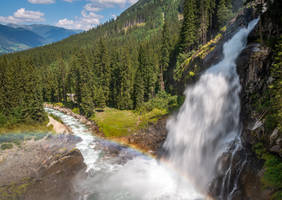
[(147, 67), (188, 30), (32, 101), (124, 100), (223, 13), (100, 99), (164, 63), (102, 68), (86, 85), (138, 90)]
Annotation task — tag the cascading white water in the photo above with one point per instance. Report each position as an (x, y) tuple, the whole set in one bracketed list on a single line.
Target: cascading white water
[(208, 122)]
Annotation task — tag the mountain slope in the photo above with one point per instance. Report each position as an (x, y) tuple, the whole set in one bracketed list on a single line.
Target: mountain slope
[(49, 33), (15, 39), (20, 37)]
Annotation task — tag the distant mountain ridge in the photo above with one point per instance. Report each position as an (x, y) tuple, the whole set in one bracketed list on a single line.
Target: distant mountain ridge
[(14, 37)]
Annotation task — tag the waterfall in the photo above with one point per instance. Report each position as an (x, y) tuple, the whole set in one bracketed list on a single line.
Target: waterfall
[(206, 127), (207, 124)]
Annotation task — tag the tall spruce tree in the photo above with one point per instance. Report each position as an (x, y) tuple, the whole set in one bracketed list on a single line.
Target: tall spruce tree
[(138, 95), (103, 68), (224, 13), (164, 62), (86, 85), (124, 100), (188, 31)]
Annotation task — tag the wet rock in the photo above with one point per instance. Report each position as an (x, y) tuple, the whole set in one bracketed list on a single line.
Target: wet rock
[(41, 169), (273, 136), (276, 149)]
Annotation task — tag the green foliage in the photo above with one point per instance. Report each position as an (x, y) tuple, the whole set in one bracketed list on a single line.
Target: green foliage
[(162, 101), (277, 195), (75, 110), (272, 177), (188, 30), (3, 120), (21, 98), (59, 104), (270, 101), (259, 149), (273, 171), (224, 13), (118, 123), (6, 146)]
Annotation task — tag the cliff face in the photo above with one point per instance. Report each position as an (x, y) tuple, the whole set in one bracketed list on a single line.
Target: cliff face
[(262, 139)]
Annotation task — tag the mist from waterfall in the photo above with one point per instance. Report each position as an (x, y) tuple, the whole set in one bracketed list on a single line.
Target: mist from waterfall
[(208, 122)]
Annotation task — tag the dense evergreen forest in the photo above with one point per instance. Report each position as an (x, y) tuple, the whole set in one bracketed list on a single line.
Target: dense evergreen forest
[(121, 64)]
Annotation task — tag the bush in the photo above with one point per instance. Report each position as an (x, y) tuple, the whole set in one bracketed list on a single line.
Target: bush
[(6, 146), (163, 101), (76, 110), (59, 104), (273, 171)]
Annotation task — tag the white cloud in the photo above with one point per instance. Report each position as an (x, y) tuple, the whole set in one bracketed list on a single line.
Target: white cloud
[(22, 15), (41, 1), (114, 2), (87, 21), (114, 16), (70, 1), (89, 17), (92, 7)]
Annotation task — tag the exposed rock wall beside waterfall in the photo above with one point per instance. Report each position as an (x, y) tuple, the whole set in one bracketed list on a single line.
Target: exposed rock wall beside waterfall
[(254, 66)]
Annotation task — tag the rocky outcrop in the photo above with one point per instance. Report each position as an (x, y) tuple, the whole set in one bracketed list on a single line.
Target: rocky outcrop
[(58, 127), (40, 169), (150, 139)]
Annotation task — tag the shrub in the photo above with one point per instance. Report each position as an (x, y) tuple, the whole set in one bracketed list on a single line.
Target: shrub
[(76, 110), (59, 104), (6, 146), (163, 101)]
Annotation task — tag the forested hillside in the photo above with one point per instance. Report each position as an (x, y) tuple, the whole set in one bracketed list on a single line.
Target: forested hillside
[(121, 64)]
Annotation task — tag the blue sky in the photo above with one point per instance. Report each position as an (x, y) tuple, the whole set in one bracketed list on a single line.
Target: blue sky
[(71, 14)]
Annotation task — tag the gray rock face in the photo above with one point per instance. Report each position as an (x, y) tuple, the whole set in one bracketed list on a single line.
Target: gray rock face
[(41, 169), (253, 67)]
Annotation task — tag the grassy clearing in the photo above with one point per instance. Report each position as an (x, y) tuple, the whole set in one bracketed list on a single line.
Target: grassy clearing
[(117, 123)]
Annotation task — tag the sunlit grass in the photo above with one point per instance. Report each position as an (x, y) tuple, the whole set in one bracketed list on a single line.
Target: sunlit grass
[(117, 123)]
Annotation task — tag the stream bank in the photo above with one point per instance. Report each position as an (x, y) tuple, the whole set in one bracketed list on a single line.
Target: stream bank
[(148, 140)]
